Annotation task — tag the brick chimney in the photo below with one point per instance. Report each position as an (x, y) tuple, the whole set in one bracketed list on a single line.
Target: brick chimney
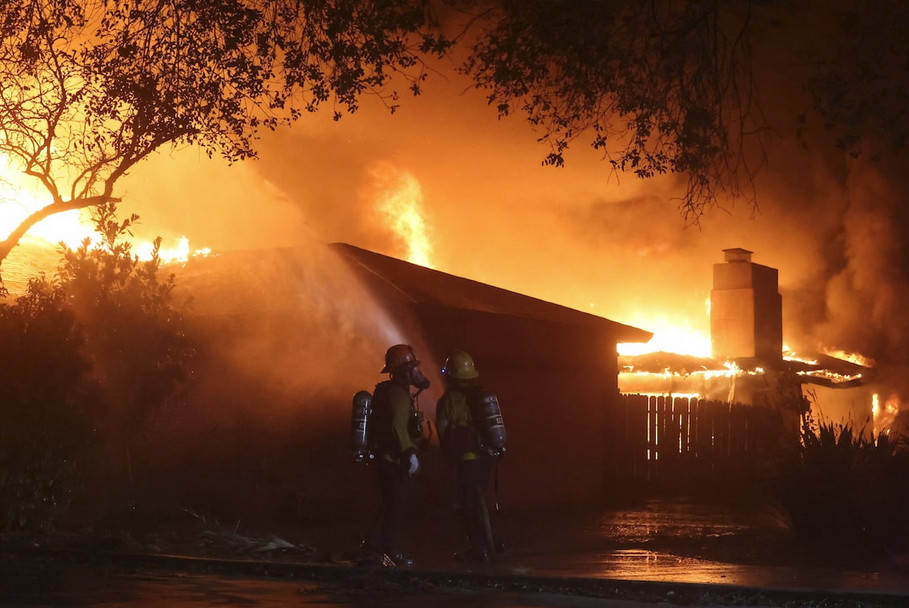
[(746, 310)]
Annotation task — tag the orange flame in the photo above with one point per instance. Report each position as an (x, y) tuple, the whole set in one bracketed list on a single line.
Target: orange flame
[(670, 334), (400, 203), (791, 355), (884, 416), (850, 357), (169, 255), (19, 199)]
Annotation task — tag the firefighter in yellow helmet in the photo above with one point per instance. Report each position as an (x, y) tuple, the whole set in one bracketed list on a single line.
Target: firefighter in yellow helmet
[(464, 448), (396, 442)]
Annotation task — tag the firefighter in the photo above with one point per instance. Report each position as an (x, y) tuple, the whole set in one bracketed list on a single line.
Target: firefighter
[(396, 444), (465, 448)]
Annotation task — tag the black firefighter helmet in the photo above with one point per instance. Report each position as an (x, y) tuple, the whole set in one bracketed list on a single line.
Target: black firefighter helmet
[(398, 357)]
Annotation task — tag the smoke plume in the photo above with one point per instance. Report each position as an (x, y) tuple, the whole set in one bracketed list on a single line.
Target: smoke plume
[(579, 235)]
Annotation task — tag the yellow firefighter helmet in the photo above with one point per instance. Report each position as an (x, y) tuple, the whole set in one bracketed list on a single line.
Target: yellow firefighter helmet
[(460, 365)]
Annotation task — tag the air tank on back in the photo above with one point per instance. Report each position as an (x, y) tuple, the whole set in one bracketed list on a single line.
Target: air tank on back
[(489, 421), (362, 408)]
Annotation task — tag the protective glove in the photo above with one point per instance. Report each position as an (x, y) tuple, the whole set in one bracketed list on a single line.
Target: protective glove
[(414, 465)]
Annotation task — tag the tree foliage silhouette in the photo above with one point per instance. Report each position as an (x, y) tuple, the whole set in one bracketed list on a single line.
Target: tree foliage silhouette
[(695, 87), (92, 87)]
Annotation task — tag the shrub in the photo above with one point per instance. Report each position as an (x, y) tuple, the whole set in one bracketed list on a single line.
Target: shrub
[(848, 487), (134, 334), (43, 418), (85, 360), (136, 343)]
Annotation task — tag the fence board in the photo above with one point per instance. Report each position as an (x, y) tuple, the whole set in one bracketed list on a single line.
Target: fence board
[(679, 439)]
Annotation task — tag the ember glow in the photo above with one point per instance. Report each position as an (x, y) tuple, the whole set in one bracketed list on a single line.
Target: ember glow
[(831, 375), (713, 381), (790, 355), (850, 357)]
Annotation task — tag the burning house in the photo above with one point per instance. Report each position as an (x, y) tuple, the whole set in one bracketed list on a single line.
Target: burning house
[(736, 412), (746, 330), (295, 333)]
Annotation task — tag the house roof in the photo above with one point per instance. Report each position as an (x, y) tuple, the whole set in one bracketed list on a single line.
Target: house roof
[(421, 285)]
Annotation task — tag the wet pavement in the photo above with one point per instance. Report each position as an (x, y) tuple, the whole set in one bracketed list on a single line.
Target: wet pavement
[(688, 542), (659, 552), (199, 590), (692, 550)]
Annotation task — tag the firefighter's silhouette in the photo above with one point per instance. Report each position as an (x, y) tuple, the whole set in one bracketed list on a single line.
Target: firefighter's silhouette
[(472, 436), (394, 440)]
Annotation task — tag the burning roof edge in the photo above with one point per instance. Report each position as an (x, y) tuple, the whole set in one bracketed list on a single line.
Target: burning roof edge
[(826, 371), (421, 285)]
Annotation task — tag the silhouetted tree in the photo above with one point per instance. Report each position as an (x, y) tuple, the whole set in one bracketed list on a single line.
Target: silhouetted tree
[(692, 87), (91, 87)]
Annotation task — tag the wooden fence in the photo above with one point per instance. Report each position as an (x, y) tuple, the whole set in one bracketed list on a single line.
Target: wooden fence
[(665, 439)]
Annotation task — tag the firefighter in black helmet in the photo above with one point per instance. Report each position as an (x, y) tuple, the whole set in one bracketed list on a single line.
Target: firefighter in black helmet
[(396, 444), (465, 449)]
